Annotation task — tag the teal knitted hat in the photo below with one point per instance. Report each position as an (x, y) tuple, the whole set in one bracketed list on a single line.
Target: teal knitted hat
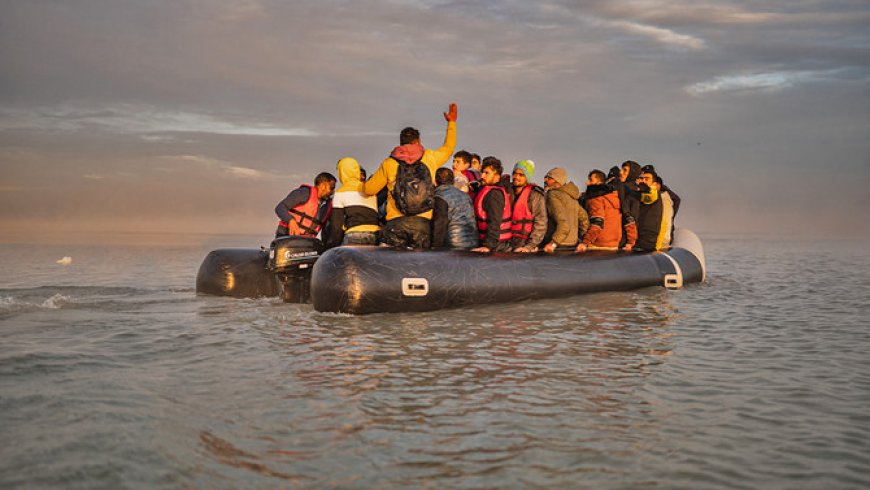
[(527, 167)]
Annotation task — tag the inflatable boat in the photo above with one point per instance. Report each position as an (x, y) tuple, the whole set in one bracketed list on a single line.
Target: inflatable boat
[(362, 280)]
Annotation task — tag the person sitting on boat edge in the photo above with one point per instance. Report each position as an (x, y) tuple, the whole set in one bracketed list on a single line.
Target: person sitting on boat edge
[(529, 209), (568, 220), (453, 224), (354, 219), (304, 211), (651, 223), (401, 229), (492, 209), (605, 217)]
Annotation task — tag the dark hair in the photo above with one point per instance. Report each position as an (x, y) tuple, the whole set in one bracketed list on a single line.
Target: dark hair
[(493, 162), (362, 173), (473, 156), (658, 180), (408, 136), (463, 155), (628, 163), (648, 169), (323, 177), (598, 173), (444, 176)]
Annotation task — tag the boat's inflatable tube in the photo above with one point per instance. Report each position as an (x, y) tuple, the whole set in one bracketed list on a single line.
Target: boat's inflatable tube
[(237, 272), (362, 280)]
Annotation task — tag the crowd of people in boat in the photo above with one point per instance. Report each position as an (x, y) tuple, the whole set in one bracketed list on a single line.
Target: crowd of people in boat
[(413, 200)]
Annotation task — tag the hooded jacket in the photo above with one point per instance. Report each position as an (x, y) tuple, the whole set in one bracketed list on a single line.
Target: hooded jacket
[(352, 210), (651, 224), (385, 175), (629, 200), (453, 222), (569, 219), (605, 217)]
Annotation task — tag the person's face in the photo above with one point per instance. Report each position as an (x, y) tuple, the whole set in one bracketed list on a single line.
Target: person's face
[(623, 173), (475, 163), (646, 179), (459, 165), (325, 189), (489, 176), (593, 180), (519, 178), (549, 182)]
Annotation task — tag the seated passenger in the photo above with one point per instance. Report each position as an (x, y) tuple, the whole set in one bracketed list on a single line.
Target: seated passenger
[(569, 220), (304, 211), (651, 217), (461, 173), (668, 211), (529, 209), (629, 197), (453, 224), (605, 217), (354, 214), (492, 208)]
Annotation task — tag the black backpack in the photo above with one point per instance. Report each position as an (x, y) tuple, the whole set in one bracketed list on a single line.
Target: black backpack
[(413, 190)]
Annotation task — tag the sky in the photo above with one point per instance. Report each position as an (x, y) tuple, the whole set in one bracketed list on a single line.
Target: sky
[(198, 116)]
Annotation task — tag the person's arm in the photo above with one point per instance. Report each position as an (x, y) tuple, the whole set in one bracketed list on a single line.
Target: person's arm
[(439, 223), (493, 204), (538, 207), (334, 231), (596, 221), (377, 181), (582, 223), (295, 198), (446, 151)]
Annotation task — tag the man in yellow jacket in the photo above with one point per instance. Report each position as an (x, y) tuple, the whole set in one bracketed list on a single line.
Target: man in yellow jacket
[(410, 231)]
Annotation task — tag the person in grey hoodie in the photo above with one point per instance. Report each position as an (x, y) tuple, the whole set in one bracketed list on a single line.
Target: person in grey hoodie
[(453, 222), (568, 220)]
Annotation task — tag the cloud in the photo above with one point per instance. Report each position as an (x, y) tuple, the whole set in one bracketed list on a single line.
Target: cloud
[(214, 166), (134, 119), (757, 82), (664, 36)]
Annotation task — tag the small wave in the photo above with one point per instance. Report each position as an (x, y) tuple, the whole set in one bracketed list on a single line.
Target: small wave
[(55, 302)]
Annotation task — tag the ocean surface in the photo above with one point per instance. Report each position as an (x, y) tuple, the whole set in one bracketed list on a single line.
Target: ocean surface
[(114, 374)]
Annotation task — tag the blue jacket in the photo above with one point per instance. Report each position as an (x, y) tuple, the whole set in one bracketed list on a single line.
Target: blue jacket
[(453, 223)]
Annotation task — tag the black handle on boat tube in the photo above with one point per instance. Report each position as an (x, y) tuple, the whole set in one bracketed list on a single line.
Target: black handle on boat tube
[(368, 280)]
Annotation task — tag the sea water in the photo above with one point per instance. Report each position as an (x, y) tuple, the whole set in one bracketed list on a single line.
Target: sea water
[(114, 374)]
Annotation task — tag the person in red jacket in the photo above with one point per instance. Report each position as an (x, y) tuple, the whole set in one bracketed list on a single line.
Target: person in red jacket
[(605, 216), (304, 211)]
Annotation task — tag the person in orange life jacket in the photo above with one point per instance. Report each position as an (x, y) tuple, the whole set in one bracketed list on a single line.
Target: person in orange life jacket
[(410, 231), (605, 217), (453, 223), (629, 201), (304, 211), (354, 219), (568, 220), (529, 209), (492, 208), (650, 218)]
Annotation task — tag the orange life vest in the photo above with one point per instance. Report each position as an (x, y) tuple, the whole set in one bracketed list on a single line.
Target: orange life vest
[(522, 220), (306, 222), (479, 213)]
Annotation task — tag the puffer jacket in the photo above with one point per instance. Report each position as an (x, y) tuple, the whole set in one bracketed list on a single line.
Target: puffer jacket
[(605, 217), (461, 232), (570, 220)]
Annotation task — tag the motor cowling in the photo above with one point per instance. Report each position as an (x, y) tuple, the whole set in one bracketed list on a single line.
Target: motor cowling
[(291, 259)]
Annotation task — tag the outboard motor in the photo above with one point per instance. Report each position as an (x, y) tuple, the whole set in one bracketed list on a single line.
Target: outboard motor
[(291, 259)]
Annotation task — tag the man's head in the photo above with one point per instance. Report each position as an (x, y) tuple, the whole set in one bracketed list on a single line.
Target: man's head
[(647, 177), (475, 162), (659, 182), (443, 176), (324, 183), (461, 161), (557, 177), (362, 174), (524, 171), (491, 170), (409, 136), (596, 177)]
